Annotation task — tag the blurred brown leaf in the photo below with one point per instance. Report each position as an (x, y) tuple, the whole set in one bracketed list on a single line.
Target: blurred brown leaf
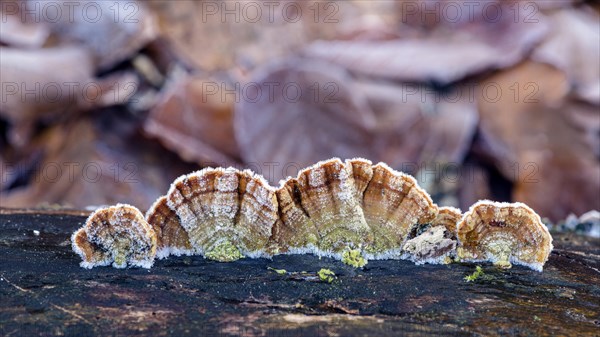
[(32, 89), (194, 117), (249, 34), (112, 31), (574, 47), (530, 132), (443, 55), (418, 125), (474, 186), (20, 29), (80, 166), (297, 113), (546, 5)]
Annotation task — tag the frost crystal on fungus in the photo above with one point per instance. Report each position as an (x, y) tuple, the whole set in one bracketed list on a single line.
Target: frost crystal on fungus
[(119, 235), (351, 211), (504, 233)]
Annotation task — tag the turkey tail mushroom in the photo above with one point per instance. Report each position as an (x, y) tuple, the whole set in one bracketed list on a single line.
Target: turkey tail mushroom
[(504, 233)]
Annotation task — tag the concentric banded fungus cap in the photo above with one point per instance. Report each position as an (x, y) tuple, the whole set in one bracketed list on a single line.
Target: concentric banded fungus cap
[(91, 254), (117, 234), (503, 233), (172, 239), (362, 173), (226, 213), (326, 194), (393, 204), (294, 232)]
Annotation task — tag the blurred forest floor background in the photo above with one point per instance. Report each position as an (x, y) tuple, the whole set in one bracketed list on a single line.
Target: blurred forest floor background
[(106, 102)]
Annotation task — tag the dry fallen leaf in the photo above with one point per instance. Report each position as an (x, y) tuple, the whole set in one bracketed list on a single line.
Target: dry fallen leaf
[(111, 31), (32, 88), (532, 134), (78, 166), (417, 124), (449, 52), (574, 47), (20, 29), (300, 112), (194, 117)]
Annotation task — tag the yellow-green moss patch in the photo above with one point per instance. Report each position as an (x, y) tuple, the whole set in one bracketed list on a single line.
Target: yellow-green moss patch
[(224, 252), (354, 258), (326, 275)]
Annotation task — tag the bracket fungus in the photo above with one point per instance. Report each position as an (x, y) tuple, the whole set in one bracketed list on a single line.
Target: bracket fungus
[(448, 217), (393, 204), (226, 213), (351, 211), (320, 211), (503, 233), (333, 208), (119, 235), (172, 239)]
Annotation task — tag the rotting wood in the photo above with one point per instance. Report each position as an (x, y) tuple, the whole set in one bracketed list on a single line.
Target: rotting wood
[(45, 292)]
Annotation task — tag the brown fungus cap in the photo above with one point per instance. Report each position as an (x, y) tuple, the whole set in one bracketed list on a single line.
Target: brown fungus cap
[(334, 206), (117, 234), (393, 205), (226, 213), (322, 203), (172, 239), (503, 233), (437, 242)]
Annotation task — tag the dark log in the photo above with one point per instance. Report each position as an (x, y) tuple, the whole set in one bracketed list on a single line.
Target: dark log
[(44, 292)]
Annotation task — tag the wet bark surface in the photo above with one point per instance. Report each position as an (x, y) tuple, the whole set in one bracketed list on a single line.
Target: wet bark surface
[(45, 292)]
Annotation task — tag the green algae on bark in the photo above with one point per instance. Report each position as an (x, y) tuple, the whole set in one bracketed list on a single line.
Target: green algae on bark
[(476, 274), (326, 275)]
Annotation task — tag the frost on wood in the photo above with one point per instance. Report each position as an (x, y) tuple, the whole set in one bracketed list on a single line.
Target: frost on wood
[(504, 233), (351, 211), (119, 235)]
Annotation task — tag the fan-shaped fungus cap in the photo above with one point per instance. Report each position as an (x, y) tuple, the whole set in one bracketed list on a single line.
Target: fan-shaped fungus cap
[(393, 204), (503, 233), (226, 213), (320, 208), (117, 234), (171, 236)]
